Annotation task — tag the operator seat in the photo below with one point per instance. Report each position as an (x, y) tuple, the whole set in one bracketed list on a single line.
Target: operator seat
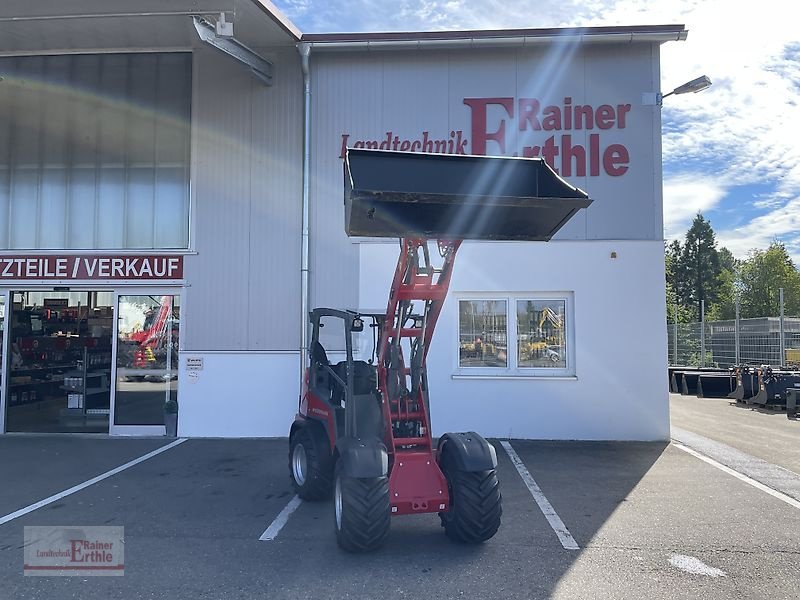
[(324, 379), (319, 355)]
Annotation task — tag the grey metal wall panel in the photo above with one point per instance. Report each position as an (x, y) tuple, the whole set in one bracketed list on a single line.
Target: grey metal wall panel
[(244, 279), (217, 298), (276, 209), (344, 99), (410, 98), (628, 206)]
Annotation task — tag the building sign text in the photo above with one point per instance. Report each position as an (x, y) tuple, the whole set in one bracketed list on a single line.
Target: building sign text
[(84, 267)]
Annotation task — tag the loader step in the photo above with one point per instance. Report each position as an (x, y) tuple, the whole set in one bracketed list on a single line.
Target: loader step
[(412, 441)]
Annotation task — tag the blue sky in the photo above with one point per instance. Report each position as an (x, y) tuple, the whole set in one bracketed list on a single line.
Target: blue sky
[(731, 151)]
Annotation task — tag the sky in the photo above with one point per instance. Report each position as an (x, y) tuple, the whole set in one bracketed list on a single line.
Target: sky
[(731, 151)]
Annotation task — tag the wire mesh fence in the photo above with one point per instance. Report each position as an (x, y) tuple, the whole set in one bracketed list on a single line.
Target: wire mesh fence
[(771, 341)]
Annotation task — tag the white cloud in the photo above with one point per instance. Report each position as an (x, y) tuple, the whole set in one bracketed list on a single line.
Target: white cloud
[(684, 196), (782, 224)]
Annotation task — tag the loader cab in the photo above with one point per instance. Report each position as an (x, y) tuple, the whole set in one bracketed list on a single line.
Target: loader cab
[(342, 371)]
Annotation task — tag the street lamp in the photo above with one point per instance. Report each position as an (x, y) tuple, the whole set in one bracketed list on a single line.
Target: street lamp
[(690, 87)]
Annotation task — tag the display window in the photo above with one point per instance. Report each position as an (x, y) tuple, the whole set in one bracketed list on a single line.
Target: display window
[(90, 361), (59, 361), (535, 340)]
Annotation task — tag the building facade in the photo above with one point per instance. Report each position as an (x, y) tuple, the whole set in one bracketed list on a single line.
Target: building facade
[(157, 174)]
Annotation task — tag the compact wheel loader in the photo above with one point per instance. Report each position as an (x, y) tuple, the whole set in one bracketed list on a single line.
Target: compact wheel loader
[(363, 432)]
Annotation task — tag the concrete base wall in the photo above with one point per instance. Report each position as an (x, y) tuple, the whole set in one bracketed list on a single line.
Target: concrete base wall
[(245, 394)]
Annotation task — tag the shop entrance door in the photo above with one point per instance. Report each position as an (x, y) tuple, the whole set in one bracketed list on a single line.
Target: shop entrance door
[(146, 361)]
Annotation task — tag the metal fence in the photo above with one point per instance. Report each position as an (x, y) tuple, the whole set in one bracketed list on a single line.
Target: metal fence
[(771, 341)]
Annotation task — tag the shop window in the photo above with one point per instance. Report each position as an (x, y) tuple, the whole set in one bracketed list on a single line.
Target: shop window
[(483, 333), (94, 151), (539, 335), (59, 361)]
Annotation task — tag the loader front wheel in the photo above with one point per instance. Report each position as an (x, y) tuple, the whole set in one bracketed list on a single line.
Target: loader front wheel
[(475, 503), (310, 465), (361, 511)]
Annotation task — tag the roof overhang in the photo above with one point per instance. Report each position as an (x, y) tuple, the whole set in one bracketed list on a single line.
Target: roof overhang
[(83, 26), (494, 38)]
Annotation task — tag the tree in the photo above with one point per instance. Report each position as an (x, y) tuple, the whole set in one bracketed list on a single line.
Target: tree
[(672, 264), (675, 281), (725, 306), (728, 283), (727, 262), (699, 267), (762, 275)]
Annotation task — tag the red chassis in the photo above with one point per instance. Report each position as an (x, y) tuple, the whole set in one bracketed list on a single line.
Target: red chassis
[(416, 483)]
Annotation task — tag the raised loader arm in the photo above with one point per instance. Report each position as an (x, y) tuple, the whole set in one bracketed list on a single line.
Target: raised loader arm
[(419, 198)]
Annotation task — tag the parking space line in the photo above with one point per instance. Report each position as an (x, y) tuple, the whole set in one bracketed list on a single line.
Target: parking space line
[(756, 484), (85, 484), (564, 536), (275, 527)]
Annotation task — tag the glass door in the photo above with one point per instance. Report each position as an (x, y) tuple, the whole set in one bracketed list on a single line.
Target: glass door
[(3, 365), (146, 362)]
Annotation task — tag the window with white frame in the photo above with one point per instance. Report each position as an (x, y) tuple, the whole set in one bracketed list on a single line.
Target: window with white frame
[(528, 334)]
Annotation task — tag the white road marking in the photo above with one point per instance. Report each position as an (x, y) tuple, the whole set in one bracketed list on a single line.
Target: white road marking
[(756, 484), (85, 484), (275, 527), (695, 566), (564, 536)]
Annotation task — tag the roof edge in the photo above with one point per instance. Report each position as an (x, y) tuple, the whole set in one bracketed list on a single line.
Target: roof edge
[(280, 19), (484, 37)]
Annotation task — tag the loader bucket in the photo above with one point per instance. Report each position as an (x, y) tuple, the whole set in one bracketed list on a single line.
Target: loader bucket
[(715, 385), (406, 194), (690, 383)]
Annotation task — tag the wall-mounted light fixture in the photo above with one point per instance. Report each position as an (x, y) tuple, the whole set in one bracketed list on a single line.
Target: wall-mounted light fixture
[(690, 87)]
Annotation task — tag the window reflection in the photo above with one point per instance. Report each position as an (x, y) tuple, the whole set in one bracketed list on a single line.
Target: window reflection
[(483, 333), (541, 342), (147, 358)]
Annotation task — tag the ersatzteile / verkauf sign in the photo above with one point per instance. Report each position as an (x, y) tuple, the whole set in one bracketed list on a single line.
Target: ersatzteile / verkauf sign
[(85, 267)]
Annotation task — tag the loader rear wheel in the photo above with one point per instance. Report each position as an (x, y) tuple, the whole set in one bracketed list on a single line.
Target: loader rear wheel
[(475, 504), (361, 512), (310, 465)]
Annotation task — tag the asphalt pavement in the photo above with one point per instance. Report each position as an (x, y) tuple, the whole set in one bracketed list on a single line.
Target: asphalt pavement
[(651, 521)]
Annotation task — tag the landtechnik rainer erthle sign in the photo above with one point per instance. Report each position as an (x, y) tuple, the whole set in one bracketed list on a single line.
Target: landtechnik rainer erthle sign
[(574, 138)]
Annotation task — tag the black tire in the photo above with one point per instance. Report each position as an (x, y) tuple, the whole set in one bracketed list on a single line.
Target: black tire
[(310, 465), (361, 512), (475, 503)]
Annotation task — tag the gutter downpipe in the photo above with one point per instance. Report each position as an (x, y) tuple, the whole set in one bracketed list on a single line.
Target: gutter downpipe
[(305, 54)]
